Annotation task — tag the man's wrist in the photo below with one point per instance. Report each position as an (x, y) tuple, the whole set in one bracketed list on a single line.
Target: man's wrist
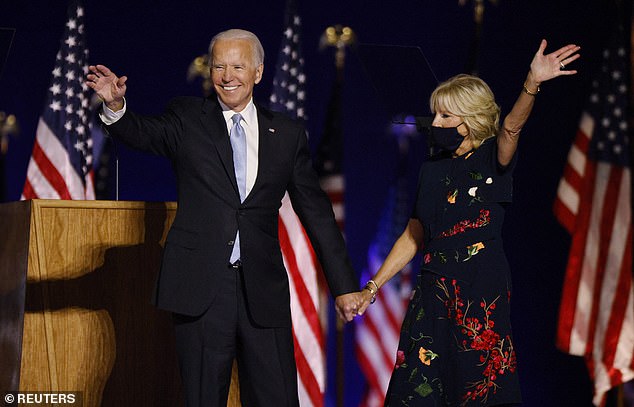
[(115, 106), (109, 116)]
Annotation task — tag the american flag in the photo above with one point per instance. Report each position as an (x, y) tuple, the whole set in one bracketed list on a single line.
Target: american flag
[(288, 96), (61, 162), (377, 331), (596, 316)]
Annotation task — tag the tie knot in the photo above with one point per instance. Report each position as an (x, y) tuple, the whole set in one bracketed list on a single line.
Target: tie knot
[(236, 118)]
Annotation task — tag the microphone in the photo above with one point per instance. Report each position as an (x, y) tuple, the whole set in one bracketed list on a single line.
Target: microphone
[(96, 103), (423, 123), (106, 133)]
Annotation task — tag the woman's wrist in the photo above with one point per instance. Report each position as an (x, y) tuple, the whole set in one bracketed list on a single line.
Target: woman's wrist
[(372, 287), (531, 85), (528, 91)]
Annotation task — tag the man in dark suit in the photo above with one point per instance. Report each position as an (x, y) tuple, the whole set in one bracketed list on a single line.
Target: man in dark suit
[(222, 274)]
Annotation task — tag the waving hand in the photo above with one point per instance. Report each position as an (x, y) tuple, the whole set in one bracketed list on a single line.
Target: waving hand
[(549, 66), (108, 86)]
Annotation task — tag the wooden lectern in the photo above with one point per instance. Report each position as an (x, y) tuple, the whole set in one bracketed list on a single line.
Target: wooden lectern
[(76, 279)]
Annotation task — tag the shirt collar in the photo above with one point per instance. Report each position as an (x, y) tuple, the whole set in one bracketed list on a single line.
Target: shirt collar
[(249, 113)]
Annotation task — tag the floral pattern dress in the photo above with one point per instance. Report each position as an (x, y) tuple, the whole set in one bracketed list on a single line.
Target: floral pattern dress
[(455, 347)]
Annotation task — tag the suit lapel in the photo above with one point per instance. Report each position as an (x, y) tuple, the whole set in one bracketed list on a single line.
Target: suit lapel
[(214, 124)]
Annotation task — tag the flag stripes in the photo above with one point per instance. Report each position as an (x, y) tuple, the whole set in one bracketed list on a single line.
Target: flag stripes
[(299, 259), (593, 203), (309, 344), (50, 174)]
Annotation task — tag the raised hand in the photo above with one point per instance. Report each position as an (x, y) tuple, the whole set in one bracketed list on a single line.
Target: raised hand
[(347, 305), (108, 86), (545, 67)]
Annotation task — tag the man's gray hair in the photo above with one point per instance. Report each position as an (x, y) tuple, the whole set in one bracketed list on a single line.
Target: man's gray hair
[(238, 34)]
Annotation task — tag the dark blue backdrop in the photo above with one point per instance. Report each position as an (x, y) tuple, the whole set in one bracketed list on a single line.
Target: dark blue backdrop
[(153, 43)]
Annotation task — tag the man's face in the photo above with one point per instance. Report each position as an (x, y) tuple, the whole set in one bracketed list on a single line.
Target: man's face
[(234, 72)]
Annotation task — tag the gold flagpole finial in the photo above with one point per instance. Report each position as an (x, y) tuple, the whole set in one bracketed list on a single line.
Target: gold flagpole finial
[(199, 68), (339, 37), (478, 9), (8, 126)]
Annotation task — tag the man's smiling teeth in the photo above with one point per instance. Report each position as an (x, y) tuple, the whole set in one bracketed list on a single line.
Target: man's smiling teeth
[(230, 87)]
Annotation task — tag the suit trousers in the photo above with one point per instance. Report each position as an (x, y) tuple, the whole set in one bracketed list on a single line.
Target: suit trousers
[(207, 345)]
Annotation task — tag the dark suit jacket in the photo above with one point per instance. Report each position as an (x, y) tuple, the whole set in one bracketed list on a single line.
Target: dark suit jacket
[(193, 134)]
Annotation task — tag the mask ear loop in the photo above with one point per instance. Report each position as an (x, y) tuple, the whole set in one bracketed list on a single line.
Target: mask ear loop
[(467, 127), (467, 135)]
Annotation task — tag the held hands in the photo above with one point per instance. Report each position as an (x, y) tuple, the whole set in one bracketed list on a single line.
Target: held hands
[(548, 66), (347, 305), (108, 86), (352, 304)]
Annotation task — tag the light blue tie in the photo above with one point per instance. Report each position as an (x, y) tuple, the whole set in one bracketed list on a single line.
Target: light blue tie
[(238, 139)]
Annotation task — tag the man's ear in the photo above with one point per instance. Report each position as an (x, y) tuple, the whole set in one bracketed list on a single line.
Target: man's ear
[(258, 73)]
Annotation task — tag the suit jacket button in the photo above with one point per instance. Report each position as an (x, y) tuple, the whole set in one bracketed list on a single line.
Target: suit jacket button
[(230, 243)]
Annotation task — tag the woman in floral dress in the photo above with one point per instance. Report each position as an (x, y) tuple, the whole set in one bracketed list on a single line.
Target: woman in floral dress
[(456, 347)]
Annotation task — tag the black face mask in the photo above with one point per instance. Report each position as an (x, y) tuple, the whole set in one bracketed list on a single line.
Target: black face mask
[(445, 138)]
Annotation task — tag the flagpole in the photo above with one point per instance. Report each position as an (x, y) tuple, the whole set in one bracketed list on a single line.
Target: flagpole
[(339, 37), (478, 18)]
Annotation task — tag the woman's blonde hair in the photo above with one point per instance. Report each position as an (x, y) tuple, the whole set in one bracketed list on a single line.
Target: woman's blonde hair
[(470, 98)]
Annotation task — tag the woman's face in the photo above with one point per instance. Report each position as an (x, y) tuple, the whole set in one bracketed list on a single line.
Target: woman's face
[(448, 120)]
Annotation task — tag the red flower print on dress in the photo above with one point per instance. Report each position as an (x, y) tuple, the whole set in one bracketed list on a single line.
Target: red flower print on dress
[(427, 258), (497, 353), (400, 358), (461, 227), (444, 256)]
